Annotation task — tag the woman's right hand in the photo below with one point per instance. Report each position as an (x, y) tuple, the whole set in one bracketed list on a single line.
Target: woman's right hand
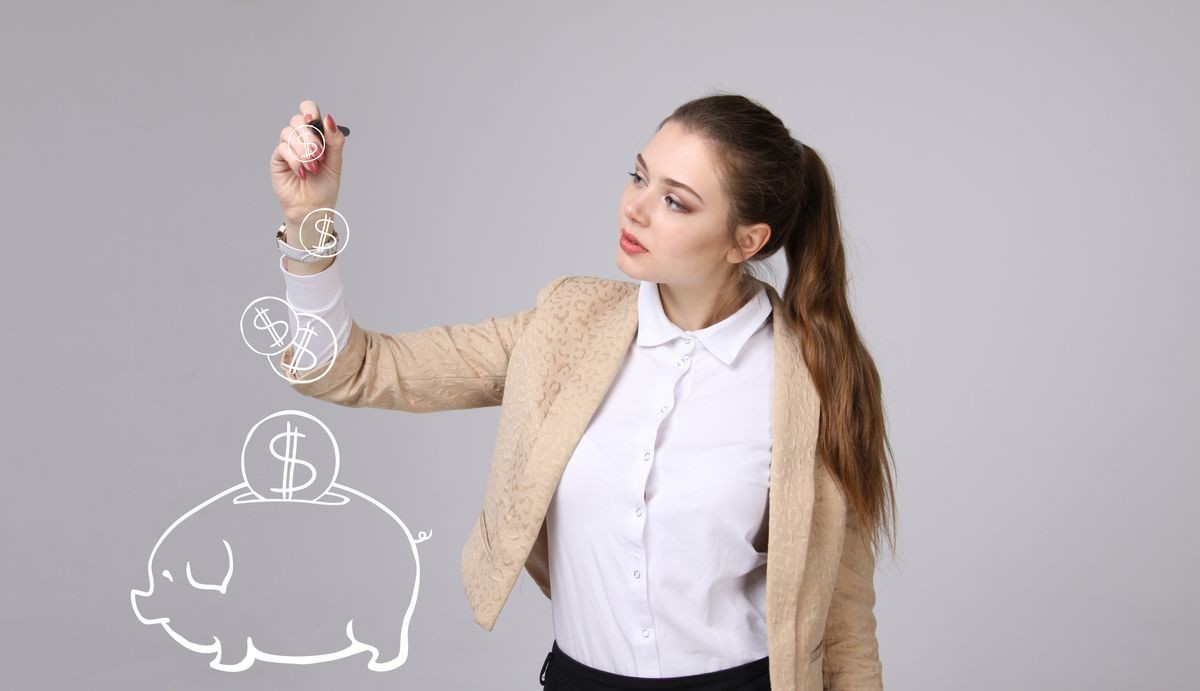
[(302, 187)]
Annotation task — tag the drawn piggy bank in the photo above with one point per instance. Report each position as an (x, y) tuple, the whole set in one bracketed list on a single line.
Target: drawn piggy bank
[(291, 581)]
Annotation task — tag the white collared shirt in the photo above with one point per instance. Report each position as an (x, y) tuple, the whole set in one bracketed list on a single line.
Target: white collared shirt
[(655, 527), (657, 530)]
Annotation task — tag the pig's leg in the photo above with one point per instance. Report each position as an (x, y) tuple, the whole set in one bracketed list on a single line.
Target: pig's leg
[(383, 631), (233, 654)]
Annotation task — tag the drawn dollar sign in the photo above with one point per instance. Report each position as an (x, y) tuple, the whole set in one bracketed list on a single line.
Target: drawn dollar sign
[(277, 328), (289, 459), (328, 239), (274, 441), (310, 147), (304, 334)]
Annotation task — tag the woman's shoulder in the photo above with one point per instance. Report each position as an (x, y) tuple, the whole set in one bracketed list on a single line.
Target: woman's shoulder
[(582, 286)]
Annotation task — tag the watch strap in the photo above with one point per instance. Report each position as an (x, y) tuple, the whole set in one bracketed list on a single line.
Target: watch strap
[(311, 255)]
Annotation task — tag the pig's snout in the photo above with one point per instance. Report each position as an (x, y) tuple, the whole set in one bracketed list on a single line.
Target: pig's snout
[(143, 605)]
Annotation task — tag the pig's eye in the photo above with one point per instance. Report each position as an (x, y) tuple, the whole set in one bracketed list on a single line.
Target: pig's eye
[(167, 575)]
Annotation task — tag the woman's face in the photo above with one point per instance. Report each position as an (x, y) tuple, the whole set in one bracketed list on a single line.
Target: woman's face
[(674, 206)]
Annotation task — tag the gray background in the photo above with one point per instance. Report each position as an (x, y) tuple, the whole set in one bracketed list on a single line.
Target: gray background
[(1017, 183)]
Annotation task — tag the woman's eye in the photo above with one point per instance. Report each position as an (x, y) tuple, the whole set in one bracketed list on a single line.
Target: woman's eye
[(678, 207)]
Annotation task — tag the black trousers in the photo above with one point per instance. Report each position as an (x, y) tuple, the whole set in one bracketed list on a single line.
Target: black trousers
[(562, 673)]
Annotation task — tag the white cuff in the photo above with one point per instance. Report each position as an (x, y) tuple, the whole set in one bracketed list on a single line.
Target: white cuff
[(316, 293)]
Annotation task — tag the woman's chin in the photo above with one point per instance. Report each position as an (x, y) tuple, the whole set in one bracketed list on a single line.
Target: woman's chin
[(623, 264)]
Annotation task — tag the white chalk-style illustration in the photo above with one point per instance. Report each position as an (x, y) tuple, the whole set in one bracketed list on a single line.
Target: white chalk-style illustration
[(288, 566), (273, 328), (303, 359), (330, 240), (269, 325), (308, 140)]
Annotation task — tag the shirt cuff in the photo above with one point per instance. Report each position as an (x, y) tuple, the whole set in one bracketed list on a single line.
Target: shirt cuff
[(316, 293)]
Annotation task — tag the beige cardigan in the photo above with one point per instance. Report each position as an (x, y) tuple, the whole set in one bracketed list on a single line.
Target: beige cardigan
[(548, 367)]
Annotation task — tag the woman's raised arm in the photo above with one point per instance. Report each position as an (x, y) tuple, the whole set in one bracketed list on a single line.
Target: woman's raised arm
[(447, 367)]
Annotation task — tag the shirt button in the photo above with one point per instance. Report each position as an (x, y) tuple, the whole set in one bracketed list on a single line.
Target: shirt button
[(646, 456), (682, 361), (637, 574), (688, 341), (645, 633), (663, 409), (638, 511)]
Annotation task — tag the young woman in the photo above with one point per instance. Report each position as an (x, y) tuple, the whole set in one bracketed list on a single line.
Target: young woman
[(694, 465)]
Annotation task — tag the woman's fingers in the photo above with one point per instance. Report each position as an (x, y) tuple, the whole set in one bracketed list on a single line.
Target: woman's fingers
[(302, 148), (310, 113), (303, 142), (283, 158), (310, 108), (287, 150), (335, 141), (307, 141)]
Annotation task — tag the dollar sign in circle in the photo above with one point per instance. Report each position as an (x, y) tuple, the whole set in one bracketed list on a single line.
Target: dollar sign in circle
[(301, 139), (328, 237), (332, 241), (291, 440), (281, 443), (267, 325), (278, 328), (298, 363)]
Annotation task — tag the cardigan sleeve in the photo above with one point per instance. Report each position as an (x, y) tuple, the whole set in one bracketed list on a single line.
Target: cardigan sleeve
[(447, 367), (851, 649)]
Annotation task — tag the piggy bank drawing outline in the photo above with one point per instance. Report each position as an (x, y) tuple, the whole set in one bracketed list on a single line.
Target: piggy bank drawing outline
[(229, 648)]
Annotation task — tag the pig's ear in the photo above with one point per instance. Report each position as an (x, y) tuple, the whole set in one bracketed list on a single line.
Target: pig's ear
[(212, 572)]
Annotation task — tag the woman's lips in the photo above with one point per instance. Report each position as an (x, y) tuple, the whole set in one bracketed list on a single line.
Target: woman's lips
[(630, 243)]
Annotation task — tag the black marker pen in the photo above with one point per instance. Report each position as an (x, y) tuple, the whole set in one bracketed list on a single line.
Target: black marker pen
[(320, 125)]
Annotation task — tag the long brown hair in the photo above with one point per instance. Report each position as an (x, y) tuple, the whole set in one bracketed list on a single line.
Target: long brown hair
[(771, 177)]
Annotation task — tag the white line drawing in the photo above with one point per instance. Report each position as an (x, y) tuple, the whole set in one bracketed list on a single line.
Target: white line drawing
[(310, 149), (329, 236), (303, 360), (263, 458), (234, 549), (272, 331)]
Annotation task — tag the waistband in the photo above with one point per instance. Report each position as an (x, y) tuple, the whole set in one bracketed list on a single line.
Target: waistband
[(562, 666)]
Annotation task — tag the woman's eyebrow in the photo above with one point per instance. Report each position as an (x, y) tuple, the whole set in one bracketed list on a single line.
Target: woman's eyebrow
[(669, 181)]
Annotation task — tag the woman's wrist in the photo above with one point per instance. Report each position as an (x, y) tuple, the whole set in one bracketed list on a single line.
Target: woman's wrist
[(292, 237), (303, 269)]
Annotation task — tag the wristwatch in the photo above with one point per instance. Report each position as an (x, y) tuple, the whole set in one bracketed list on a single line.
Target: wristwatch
[(312, 255)]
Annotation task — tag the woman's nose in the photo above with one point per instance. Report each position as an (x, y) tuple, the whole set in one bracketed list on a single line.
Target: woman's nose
[(634, 207)]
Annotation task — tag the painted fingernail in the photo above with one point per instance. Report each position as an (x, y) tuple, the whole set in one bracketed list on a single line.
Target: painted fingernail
[(301, 172), (332, 126), (308, 117)]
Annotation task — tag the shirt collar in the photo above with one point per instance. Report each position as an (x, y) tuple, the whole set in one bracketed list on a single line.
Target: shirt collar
[(723, 339)]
